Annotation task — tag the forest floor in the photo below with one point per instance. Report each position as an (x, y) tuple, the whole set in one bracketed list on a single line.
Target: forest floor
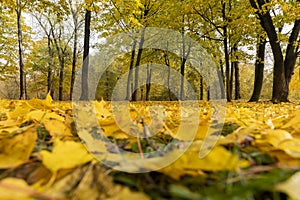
[(44, 154)]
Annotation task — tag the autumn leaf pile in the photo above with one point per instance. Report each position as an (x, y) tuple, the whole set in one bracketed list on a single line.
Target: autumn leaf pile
[(42, 157)]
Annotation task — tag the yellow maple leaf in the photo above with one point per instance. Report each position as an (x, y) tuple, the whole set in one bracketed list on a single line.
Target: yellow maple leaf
[(65, 155), (16, 150), (102, 109), (57, 128), (40, 116), (48, 99), (20, 111), (218, 159), (273, 137), (39, 103)]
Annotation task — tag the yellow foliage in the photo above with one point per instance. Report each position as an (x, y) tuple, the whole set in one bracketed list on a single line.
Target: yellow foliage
[(291, 186), (17, 149), (68, 154), (15, 189), (262, 127)]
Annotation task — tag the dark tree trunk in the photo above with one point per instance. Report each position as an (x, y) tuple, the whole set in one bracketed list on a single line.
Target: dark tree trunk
[(227, 70), (290, 58), (169, 89), (182, 67), (221, 84), (86, 49), (231, 78), (61, 77), (129, 78), (222, 80), (61, 58), (137, 64), (259, 69), (182, 70), (21, 52), (50, 52), (237, 95), (148, 83), (201, 88), (167, 62), (208, 93), (49, 71), (237, 82), (227, 65), (279, 82), (74, 61)]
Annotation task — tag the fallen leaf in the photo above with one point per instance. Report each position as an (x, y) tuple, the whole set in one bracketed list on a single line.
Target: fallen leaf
[(17, 149), (15, 189), (291, 186), (57, 128), (65, 154)]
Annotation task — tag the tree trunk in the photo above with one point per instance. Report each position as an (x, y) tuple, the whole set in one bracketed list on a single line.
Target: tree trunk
[(49, 71), (227, 65), (279, 82), (201, 88), (21, 52), (182, 69), (227, 70), (208, 93), (129, 78), (237, 95), (74, 60), (61, 77), (259, 69), (221, 84), (167, 62), (86, 48), (232, 67), (222, 80), (290, 58), (237, 82), (137, 64), (148, 83), (183, 61)]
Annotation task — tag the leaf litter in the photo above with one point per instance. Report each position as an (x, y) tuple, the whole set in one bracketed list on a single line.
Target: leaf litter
[(42, 157)]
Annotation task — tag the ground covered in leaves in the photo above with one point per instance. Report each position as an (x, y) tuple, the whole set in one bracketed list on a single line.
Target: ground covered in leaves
[(256, 157)]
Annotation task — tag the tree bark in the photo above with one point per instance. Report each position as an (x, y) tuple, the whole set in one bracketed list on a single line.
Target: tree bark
[(61, 51), (290, 58), (74, 60), (182, 69), (129, 78), (148, 82), (137, 64), (201, 88), (237, 95), (208, 93), (222, 80), (167, 62), (232, 67), (227, 65), (86, 49), (61, 77), (259, 69), (49, 71), (279, 82), (21, 51), (237, 82)]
